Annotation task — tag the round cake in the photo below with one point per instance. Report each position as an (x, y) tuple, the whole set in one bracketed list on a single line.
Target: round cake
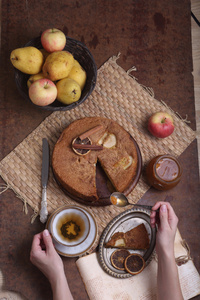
[(83, 144)]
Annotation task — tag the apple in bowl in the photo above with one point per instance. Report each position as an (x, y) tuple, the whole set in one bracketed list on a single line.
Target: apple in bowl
[(42, 92), (161, 124), (53, 40)]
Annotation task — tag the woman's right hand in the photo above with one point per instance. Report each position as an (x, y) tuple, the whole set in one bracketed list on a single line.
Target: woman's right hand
[(166, 225)]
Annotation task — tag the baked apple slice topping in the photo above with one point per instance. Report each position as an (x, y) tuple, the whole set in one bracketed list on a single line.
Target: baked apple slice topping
[(108, 140), (125, 162)]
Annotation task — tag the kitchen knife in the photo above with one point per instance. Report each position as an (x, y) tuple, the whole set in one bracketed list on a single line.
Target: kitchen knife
[(45, 175)]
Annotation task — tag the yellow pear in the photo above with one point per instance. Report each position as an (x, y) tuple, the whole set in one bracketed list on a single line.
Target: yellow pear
[(28, 60), (69, 91), (57, 65), (33, 78), (78, 74)]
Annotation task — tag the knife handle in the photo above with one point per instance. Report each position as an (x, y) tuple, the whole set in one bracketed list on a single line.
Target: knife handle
[(43, 211)]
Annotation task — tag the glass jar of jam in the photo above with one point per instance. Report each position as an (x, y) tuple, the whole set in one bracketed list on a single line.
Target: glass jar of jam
[(163, 172)]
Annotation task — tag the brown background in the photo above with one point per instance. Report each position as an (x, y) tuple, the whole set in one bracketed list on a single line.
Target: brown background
[(155, 37)]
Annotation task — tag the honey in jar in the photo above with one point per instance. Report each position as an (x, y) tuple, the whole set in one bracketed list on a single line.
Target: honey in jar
[(163, 172)]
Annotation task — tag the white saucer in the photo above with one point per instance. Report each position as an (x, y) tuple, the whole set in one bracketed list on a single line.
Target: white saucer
[(82, 248)]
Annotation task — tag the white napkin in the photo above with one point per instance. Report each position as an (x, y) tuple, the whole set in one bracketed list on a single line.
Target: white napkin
[(101, 286)]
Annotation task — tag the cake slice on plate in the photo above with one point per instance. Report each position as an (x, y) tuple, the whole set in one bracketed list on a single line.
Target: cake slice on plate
[(136, 239)]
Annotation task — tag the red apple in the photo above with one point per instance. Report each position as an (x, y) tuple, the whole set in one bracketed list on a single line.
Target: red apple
[(161, 124), (42, 92), (53, 40)]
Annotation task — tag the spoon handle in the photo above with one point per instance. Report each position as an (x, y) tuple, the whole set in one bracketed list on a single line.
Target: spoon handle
[(149, 207)]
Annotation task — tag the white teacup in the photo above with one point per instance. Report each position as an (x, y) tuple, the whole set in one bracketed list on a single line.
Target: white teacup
[(70, 226)]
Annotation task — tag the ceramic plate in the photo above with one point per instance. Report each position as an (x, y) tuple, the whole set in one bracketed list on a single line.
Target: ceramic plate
[(79, 249), (122, 223)]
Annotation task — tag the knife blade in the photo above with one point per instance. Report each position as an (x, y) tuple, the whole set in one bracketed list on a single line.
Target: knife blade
[(45, 176)]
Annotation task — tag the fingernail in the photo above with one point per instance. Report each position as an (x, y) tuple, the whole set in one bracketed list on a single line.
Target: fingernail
[(163, 208), (46, 232)]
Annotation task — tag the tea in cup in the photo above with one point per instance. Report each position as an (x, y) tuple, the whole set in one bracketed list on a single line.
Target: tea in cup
[(70, 226)]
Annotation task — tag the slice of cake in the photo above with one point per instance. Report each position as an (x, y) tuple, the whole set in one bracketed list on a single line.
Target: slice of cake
[(136, 239)]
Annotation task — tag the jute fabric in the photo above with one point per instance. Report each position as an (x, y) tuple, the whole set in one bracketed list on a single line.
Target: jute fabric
[(117, 96)]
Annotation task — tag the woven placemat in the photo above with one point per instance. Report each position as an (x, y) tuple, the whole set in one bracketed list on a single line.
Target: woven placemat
[(117, 96)]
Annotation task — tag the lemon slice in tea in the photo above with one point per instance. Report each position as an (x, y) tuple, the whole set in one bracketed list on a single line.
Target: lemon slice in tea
[(134, 263), (118, 257)]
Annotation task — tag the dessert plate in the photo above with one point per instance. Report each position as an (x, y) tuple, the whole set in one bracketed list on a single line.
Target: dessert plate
[(122, 223), (81, 248)]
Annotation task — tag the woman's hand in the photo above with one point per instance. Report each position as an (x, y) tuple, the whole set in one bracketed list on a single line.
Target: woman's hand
[(44, 256), (168, 285), (167, 226)]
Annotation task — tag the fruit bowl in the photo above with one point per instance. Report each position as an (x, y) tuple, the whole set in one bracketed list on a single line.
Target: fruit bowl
[(82, 55)]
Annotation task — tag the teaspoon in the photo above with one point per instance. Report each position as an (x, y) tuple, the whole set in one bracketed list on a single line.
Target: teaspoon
[(120, 200)]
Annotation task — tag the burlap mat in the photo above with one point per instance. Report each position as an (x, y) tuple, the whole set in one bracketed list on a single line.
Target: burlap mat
[(117, 96)]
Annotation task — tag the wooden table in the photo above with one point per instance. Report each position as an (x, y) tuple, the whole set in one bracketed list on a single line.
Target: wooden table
[(155, 37)]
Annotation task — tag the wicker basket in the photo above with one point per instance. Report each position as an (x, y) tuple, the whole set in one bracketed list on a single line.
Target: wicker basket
[(82, 55)]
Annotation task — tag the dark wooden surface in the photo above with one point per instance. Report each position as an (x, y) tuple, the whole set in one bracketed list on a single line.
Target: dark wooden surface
[(155, 37)]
